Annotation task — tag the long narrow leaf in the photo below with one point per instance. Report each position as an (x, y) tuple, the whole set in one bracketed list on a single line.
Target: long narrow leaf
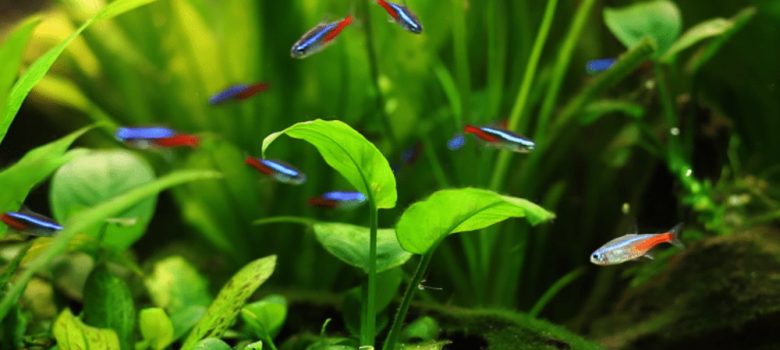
[(12, 52)]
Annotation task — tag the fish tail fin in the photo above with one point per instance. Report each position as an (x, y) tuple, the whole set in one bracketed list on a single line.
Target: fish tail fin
[(675, 231)]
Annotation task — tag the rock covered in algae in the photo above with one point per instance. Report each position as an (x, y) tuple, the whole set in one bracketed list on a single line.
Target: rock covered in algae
[(720, 293)]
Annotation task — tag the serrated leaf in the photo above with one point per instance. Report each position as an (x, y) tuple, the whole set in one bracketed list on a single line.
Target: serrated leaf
[(97, 177), (72, 334), (90, 217), (350, 244), (445, 212), (223, 311), (177, 287), (212, 344), (267, 315), (156, 328), (33, 168), (12, 52), (108, 303), (659, 20), (41, 66), (349, 153)]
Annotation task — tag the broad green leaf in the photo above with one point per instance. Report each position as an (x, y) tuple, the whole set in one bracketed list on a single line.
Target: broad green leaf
[(97, 214), (12, 52), (349, 153), (334, 343), (424, 328), (223, 311), (697, 33), (97, 177), (212, 344), (350, 244), (266, 315), (34, 167), (178, 288), (432, 345), (446, 212), (258, 345), (72, 334), (156, 328), (41, 66), (108, 303), (659, 20)]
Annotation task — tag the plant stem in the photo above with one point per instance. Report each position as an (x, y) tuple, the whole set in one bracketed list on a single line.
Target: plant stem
[(400, 315), (368, 331), (284, 219), (554, 289), (559, 72), (373, 68), (525, 87)]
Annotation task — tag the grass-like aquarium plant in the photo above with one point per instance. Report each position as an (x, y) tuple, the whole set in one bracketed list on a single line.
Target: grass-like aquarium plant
[(467, 160)]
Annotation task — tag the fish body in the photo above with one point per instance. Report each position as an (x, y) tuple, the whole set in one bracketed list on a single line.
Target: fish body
[(402, 15), (145, 137), (280, 171), (30, 223), (501, 138), (633, 246), (237, 92), (339, 200), (599, 65), (318, 38)]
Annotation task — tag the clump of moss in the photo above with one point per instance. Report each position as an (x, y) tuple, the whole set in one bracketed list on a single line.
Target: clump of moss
[(719, 293)]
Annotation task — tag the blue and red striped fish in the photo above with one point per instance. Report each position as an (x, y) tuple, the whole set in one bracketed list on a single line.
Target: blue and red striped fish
[(599, 65), (339, 200), (144, 137), (634, 246), (238, 92), (28, 222), (280, 171), (402, 15), (501, 138), (318, 38)]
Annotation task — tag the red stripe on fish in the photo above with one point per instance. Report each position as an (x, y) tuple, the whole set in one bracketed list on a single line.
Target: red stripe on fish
[(253, 162), (181, 140), (470, 129), (337, 30)]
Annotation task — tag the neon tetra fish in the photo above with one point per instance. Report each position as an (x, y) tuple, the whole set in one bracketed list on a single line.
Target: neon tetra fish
[(237, 92), (599, 65), (318, 38), (30, 223), (280, 171), (634, 246), (145, 137), (401, 15), (501, 138), (339, 200)]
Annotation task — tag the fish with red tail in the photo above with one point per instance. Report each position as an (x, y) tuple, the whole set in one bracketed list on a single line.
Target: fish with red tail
[(318, 38), (634, 246)]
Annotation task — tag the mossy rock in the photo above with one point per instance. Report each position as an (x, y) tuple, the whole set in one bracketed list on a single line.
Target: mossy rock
[(719, 293)]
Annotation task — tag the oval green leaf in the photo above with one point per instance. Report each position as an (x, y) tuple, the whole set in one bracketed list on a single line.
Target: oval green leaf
[(223, 311), (108, 303), (91, 217), (349, 153), (350, 244), (212, 344), (266, 316), (659, 20), (72, 334), (445, 212), (33, 168), (156, 328), (177, 287), (97, 177)]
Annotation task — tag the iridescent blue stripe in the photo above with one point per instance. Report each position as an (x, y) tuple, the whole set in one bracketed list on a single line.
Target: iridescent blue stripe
[(599, 65), (456, 142), (508, 136), (146, 133), (281, 168), (227, 93), (36, 220), (314, 37), (344, 196), (407, 17)]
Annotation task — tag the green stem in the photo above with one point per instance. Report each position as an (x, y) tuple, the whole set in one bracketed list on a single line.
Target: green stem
[(284, 219), (525, 87), (460, 46), (400, 315), (373, 68), (554, 289), (368, 331), (559, 72)]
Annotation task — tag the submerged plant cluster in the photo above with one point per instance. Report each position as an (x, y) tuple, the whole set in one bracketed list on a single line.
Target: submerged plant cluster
[(187, 90)]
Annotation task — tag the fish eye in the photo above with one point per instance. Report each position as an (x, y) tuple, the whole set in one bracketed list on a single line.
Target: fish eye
[(596, 256)]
